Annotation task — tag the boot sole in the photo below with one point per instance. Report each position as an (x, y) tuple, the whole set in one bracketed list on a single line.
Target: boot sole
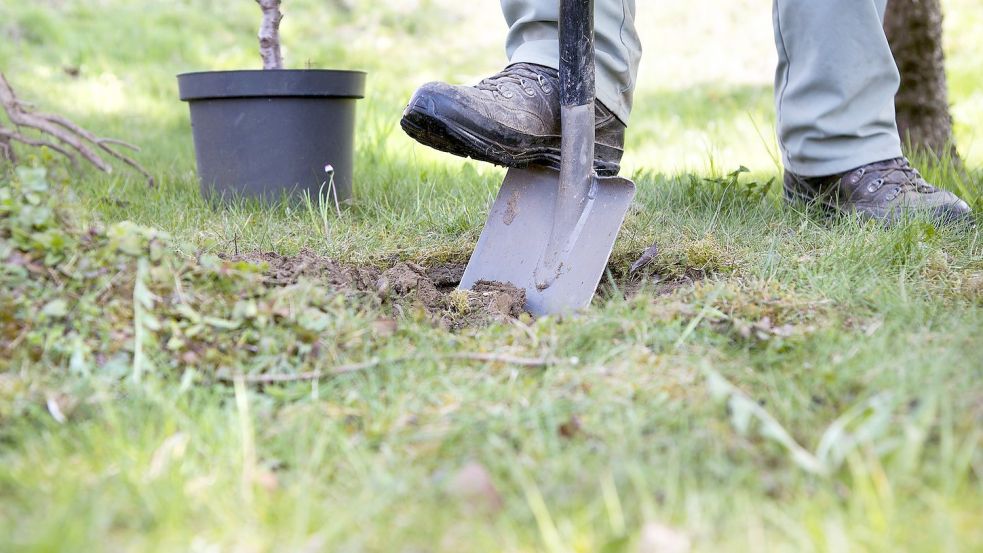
[(426, 126)]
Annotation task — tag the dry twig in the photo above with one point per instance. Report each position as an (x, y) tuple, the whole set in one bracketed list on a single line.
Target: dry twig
[(356, 367), (66, 137)]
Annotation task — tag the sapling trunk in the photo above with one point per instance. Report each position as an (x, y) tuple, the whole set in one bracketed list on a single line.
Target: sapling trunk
[(269, 34)]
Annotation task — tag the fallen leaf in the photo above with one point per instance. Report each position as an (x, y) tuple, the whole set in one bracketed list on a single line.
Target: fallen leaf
[(473, 486), (648, 256), (572, 428)]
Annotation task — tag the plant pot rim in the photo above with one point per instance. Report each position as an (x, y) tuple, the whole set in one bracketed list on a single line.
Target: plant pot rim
[(266, 83)]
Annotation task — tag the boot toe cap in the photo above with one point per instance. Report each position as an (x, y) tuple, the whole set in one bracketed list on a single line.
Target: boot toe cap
[(956, 211)]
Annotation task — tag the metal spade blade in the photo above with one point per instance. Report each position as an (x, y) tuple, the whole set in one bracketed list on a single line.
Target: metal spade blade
[(517, 236)]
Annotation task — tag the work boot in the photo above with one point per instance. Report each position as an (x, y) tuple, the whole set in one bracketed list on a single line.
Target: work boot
[(885, 191), (510, 119)]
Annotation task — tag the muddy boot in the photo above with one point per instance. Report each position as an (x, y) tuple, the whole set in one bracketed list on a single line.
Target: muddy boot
[(885, 191), (510, 119)]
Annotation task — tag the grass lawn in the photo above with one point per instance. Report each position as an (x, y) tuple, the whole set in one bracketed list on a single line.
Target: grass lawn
[(774, 380)]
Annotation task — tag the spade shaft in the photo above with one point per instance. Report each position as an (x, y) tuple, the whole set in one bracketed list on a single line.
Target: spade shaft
[(577, 90), (576, 53)]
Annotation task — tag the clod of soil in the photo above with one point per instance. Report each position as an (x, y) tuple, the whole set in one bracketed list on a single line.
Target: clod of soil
[(405, 286), (282, 270), (407, 279), (448, 275), (498, 299), (486, 302)]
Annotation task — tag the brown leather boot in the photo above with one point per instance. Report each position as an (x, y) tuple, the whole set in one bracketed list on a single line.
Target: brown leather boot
[(511, 119), (886, 191)]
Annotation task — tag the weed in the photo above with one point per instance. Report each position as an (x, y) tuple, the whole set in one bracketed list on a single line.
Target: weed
[(459, 300)]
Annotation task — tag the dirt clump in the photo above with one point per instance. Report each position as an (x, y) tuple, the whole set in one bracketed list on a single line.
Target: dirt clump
[(405, 286), (446, 275), (485, 303), (284, 270), (498, 299), (407, 279)]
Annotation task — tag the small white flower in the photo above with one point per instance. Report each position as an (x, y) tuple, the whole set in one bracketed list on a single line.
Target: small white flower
[(329, 168)]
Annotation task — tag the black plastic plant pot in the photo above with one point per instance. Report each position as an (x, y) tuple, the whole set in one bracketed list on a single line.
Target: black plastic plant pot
[(264, 134)]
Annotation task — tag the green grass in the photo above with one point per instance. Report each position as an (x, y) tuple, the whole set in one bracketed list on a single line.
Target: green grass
[(800, 326)]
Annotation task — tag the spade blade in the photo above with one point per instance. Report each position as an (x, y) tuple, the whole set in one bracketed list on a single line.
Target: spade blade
[(515, 238)]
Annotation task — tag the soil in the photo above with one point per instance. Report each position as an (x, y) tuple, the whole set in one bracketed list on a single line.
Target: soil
[(629, 286), (282, 270), (405, 286), (641, 276)]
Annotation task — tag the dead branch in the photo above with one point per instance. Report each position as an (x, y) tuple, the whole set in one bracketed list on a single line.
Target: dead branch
[(120, 143), (8, 136), (356, 367), (67, 136), (269, 34), (6, 148), (498, 358)]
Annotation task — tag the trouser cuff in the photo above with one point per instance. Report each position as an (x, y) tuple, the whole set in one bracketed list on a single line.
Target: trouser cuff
[(838, 158)]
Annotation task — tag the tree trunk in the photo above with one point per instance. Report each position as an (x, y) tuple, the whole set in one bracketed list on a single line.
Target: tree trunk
[(269, 34), (914, 29)]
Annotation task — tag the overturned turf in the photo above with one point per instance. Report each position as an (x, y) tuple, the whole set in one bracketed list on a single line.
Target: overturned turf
[(406, 286), (122, 302)]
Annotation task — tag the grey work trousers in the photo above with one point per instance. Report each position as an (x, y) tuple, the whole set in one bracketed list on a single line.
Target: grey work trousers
[(834, 85)]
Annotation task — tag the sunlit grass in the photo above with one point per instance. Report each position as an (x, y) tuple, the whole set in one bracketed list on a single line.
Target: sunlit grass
[(813, 318)]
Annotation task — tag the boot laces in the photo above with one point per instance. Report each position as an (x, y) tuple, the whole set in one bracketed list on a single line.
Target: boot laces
[(520, 75), (896, 172)]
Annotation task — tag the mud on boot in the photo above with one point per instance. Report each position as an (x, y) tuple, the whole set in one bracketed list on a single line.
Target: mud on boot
[(510, 119)]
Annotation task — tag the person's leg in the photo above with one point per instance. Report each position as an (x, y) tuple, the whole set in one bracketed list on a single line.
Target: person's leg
[(534, 38), (513, 118), (835, 85), (834, 93)]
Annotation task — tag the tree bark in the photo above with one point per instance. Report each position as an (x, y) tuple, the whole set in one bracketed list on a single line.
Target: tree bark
[(914, 29), (269, 34)]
